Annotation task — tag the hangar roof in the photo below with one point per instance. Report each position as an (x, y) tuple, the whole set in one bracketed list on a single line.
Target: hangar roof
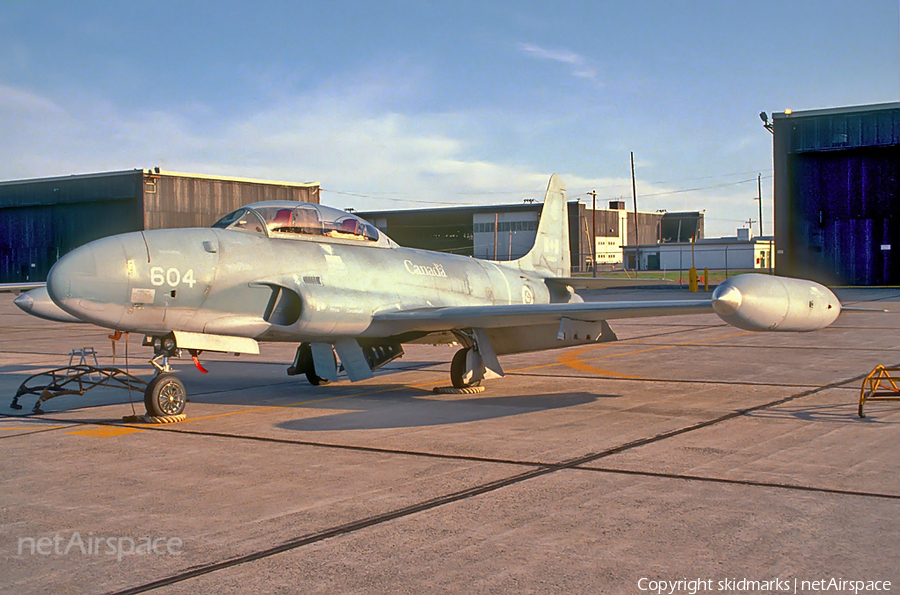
[(834, 111), (108, 174)]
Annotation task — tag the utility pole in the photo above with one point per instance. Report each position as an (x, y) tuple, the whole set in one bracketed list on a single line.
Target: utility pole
[(637, 242), (759, 198), (593, 194), (496, 225), (750, 223)]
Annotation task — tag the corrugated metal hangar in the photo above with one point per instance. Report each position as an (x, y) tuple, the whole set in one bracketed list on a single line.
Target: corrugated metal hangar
[(42, 219), (837, 193)]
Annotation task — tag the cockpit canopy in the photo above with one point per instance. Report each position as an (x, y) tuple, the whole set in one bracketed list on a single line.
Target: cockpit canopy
[(299, 220)]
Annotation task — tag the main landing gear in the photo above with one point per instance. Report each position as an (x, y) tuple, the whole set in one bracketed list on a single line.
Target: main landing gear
[(303, 364), (458, 370), (467, 369)]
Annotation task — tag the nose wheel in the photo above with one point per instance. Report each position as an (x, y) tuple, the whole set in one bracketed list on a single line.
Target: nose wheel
[(165, 395)]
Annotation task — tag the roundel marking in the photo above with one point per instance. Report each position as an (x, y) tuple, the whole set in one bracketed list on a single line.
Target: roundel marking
[(527, 295)]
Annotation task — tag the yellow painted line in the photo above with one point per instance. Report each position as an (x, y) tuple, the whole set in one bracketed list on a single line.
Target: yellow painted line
[(105, 431), (228, 413)]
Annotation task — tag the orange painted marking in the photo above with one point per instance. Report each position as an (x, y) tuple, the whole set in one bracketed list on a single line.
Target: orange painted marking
[(571, 358), (105, 431)]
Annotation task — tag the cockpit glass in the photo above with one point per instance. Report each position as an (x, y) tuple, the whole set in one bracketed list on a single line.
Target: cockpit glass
[(242, 220), (296, 221), (286, 222), (228, 219)]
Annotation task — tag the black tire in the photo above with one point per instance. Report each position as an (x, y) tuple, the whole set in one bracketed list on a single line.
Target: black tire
[(458, 370), (165, 395), (316, 380)]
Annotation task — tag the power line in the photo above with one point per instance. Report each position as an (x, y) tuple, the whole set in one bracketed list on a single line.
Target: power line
[(738, 173), (581, 194), (681, 191), (704, 187), (360, 195)]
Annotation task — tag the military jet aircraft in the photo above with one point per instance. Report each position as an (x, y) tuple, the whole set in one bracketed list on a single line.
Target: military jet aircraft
[(351, 297)]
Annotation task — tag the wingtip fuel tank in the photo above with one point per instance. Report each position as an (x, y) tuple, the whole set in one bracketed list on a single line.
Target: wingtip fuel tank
[(757, 302), (37, 302)]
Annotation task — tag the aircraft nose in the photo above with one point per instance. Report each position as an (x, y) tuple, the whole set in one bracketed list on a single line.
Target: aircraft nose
[(726, 299), (91, 282)]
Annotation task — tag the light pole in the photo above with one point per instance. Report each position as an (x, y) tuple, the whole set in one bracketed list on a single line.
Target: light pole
[(637, 242), (759, 198), (593, 194)]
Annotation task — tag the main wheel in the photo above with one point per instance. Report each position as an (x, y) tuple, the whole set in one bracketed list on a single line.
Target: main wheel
[(458, 370), (316, 380), (165, 395)]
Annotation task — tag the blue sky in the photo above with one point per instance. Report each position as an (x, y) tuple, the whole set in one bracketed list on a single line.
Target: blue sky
[(411, 104)]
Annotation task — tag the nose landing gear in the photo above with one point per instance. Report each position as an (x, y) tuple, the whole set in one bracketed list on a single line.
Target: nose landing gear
[(165, 396)]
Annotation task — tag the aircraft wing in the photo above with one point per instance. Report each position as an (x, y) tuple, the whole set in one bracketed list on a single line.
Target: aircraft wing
[(523, 315), (18, 288), (603, 282)]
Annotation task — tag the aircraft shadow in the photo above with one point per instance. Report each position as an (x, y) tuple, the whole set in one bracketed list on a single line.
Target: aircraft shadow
[(410, 412)]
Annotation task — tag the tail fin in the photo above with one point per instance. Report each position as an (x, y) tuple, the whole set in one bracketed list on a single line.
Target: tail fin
[(550, 252)]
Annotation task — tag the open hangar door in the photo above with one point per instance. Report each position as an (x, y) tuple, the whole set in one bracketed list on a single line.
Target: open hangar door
[(837, 195), (849, 203)]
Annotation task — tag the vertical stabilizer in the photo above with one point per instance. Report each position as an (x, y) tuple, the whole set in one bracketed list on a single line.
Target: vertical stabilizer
[(551, 246)]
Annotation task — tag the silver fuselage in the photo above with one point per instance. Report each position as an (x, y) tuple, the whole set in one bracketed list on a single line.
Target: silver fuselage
[(236, 283)]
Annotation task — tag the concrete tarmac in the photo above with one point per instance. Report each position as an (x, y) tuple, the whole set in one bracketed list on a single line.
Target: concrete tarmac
[(686, 451)]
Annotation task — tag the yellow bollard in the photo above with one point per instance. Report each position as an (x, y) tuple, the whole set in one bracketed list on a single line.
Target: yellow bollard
[(692, 279), (705, 279)]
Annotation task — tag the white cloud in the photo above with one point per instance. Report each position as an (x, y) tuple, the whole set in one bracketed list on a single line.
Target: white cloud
[(20, 100), (579, 65), (346, 141)]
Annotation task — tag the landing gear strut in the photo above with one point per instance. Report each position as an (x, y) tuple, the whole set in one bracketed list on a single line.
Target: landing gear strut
[(458, 370), (303, 364)]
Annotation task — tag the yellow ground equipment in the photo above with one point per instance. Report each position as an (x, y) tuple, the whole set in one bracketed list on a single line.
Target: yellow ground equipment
[(879, 385)]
